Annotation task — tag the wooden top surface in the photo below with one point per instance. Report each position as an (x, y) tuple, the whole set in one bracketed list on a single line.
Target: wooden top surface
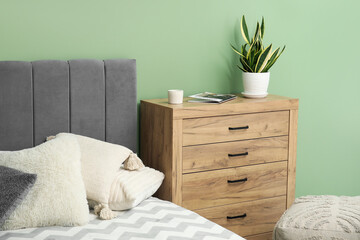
[(240, 99), (236, 106)]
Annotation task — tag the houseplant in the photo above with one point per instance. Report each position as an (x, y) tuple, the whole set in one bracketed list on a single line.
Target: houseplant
[(256, 60)]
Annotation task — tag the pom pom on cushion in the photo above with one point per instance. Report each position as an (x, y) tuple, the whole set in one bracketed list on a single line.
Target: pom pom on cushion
[(133, 162), (104, 212), (100, 162), (50, 138), (97, 209), (59, 189)]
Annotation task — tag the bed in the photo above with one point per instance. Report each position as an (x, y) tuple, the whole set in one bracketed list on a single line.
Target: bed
[(97, 99)]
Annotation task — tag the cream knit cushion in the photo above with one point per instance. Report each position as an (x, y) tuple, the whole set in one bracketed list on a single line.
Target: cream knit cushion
[(58, 196), (320, 217), (100, 161), (130, 188)]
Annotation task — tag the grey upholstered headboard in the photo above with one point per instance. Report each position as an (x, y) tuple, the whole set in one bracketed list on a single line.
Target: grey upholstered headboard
[(94, 98)]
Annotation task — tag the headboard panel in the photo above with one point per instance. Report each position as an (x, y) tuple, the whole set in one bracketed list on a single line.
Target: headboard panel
[(51, 95), (89, 97)]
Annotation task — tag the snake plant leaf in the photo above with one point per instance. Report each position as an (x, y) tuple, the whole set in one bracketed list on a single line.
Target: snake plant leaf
[(263, 59), (237, 51), (248, 59), (262, 28), (259, 45), (257, 32), (271, 60), (273, 55), (279, 54), (243, 50), (282, 50), (250, 49), (241, 68), (256, 57), (272, 63), (245, 65), (244, 30), (268, 66)]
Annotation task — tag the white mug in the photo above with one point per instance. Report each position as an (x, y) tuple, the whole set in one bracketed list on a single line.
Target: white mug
[(175, 96)]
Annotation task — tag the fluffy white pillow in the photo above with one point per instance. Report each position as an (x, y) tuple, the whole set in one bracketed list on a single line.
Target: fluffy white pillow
[(130, 188), (58, 196), (100, 161)]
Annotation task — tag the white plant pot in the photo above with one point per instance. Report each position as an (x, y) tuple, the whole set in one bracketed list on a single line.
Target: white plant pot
[(255, 84)]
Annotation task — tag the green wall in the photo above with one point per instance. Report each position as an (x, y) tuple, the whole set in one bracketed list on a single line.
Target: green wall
[(185, 44)]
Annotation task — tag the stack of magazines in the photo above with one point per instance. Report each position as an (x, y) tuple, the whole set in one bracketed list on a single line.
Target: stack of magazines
[(208, 97)]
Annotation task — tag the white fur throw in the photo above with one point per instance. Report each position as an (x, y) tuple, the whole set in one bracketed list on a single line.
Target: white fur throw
[(100, 162), (58, 196)]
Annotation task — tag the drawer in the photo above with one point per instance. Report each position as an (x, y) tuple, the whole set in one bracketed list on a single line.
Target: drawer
[(235, 127), (261, 216), (262, 236), (232, 154), (226, 186)]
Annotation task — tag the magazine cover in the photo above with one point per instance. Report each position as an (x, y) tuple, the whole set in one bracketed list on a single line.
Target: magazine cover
[(212, 97)]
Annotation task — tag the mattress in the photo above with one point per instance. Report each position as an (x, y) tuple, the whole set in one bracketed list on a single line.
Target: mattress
[(152, 219)]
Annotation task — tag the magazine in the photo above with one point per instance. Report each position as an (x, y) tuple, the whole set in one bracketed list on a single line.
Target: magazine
[(208, 97)]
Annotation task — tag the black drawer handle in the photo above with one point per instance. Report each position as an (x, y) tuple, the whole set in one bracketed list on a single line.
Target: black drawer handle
[(239, 216), (238, 180), (238, 128), (238, 154)]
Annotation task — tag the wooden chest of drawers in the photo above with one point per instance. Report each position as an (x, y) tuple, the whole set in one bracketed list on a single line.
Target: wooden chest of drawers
[(233, 163)]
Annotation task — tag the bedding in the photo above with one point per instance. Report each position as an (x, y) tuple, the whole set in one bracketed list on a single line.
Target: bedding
[(98, 99), (14, 186), (58, 196), (152, 219)]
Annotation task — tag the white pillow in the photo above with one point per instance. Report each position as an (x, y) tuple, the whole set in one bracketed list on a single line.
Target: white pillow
[(100, 161), (58, 196), (130, 188)]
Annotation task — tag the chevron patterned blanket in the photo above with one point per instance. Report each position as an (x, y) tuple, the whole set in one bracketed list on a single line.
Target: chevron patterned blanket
[(152, 219)]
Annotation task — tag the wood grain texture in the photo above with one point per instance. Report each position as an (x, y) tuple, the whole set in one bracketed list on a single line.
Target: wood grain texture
[(237, 106), (190, 143), (156, 145), (262, 236), (216, 156), (177, 162), (216, 129), (292, 157), (211, 188), (261, 215)]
